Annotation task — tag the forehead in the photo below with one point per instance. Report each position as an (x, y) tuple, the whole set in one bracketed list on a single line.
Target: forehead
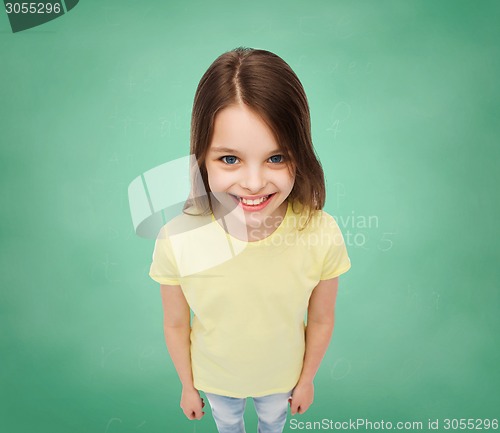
[(238, 127)]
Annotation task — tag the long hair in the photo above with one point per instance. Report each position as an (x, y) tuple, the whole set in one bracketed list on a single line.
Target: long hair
[(266, 84)]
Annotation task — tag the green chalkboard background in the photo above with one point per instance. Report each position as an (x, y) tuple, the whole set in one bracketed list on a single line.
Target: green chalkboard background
[(404, 101)]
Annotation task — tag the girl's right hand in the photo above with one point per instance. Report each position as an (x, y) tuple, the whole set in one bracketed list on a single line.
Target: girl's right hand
[(192, 404)]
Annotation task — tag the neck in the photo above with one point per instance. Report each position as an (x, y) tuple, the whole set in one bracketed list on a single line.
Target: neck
[(242, 226)]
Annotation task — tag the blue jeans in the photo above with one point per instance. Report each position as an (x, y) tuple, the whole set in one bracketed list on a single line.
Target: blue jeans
[(228, 412)]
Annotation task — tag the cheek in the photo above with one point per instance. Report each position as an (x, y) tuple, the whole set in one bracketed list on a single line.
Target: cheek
[(218, 180), (287, 181)]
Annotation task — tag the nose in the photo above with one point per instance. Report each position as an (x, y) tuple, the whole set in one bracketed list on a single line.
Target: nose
[(253, 180)]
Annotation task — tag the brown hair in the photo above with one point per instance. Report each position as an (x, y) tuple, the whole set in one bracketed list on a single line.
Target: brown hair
[(266, 84)]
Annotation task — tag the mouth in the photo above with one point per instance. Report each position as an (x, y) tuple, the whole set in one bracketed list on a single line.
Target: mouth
[(253, 203)]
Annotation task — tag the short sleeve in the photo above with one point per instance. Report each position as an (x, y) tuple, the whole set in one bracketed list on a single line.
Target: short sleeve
[(164, 267), (336, 261)]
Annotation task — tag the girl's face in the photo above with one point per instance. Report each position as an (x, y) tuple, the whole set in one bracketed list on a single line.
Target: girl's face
[(246, 170)]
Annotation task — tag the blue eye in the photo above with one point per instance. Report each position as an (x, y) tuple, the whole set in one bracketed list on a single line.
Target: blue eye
[(229, 159), (276, 159)]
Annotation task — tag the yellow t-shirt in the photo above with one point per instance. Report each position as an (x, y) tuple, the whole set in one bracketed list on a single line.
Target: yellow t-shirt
[(249, 299)]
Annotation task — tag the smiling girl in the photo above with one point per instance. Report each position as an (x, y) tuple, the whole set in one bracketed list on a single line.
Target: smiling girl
[(253, 252)]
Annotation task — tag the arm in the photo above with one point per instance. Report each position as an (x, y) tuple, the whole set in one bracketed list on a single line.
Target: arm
[(320, 320), (177, 336)]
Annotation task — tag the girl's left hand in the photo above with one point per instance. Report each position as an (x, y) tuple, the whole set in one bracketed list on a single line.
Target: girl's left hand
[(302, 397)]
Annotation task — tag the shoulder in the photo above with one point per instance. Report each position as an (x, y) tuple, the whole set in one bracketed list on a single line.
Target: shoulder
[(186, 221), (327, 221), (323, 231), (320, 221)]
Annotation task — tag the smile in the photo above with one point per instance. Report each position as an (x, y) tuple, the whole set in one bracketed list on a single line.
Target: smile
[(255, 203)]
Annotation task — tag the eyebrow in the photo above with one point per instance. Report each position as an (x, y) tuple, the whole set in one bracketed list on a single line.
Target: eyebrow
[(218, 149)]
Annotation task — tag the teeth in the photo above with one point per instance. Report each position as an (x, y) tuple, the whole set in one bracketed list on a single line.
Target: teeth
[(253, 202)]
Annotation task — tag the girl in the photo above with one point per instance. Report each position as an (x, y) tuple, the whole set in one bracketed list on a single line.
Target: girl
[(253, 252)]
